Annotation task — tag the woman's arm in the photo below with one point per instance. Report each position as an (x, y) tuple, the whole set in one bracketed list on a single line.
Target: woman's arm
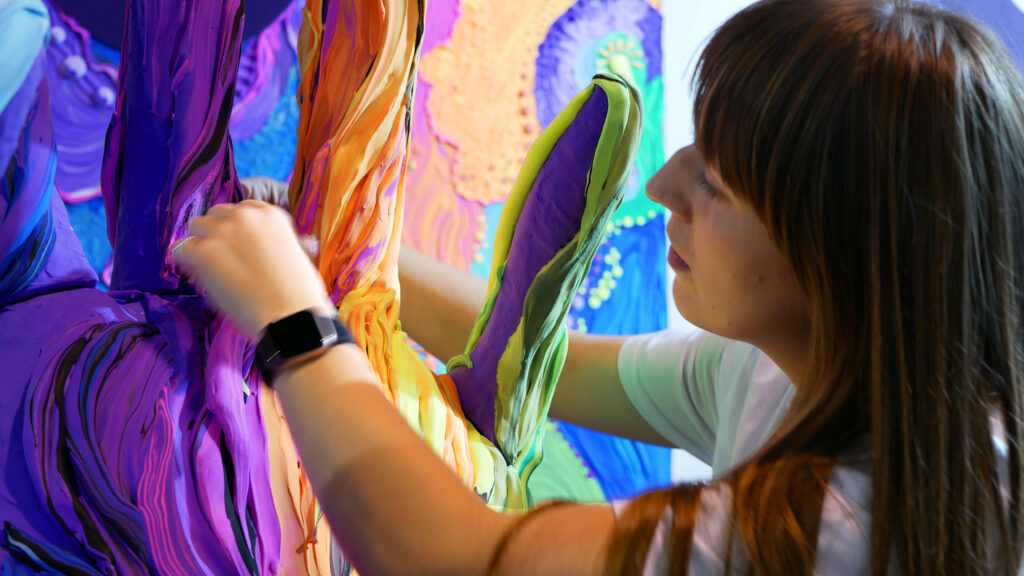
[(394, 507), (439, 306), (392, 504)]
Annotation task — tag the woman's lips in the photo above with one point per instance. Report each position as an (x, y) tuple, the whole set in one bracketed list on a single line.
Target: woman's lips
[(676, 261)]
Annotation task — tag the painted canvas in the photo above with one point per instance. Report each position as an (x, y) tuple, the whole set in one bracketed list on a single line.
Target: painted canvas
[(491, 76), (131, 417)]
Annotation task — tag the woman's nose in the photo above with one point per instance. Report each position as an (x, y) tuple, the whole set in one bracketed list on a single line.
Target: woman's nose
[(663, 189)]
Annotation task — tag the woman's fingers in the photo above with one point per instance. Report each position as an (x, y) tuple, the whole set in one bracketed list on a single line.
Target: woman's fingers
[(218, 211), (252, 264), (202, 226)]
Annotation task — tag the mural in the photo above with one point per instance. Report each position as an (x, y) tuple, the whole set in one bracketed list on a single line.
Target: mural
[(468, 140), (135, 433)]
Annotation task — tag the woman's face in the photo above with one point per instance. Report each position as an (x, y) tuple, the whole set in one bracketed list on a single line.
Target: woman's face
[(730, 277)]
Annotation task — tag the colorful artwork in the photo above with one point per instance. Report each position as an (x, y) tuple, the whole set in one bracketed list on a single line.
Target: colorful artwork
[(134, 426), (468, 140), (128, 419), (455, 191), (349, 192)]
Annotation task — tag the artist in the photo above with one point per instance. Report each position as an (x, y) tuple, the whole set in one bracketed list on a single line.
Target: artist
[(848, 230)]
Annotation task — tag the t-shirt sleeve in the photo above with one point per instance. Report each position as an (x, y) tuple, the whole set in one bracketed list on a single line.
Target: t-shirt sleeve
[(670, 378)]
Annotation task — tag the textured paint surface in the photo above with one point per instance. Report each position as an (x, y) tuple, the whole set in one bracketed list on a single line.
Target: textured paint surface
[(172, 161), (569, 48), (129, 423), (348, 190), (83, 91), (624, 292), (554, 220), (564, 196), (146, 439), (468, 138), (84, 87)]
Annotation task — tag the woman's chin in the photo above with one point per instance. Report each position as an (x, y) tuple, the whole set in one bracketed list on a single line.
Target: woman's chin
[(684, 303)]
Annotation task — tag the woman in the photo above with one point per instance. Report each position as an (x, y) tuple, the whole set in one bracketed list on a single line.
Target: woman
[(854, 208)]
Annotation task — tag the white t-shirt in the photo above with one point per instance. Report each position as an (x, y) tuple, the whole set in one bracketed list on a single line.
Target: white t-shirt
[(720, 400)]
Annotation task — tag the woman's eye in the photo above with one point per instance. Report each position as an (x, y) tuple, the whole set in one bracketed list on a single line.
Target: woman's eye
[(706, 186)]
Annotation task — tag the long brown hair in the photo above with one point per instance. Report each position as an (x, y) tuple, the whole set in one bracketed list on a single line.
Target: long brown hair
[(882, 144)]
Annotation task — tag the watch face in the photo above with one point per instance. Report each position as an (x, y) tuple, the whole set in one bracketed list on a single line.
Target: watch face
[(296, 334)]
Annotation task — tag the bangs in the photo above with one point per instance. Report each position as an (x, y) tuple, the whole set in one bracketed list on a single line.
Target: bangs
[(767, 89), (724, 114)]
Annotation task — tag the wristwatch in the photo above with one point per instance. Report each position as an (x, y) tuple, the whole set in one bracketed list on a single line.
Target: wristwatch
[(294, 339)]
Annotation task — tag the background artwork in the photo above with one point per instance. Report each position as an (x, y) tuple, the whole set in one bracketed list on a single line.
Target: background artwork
[(129, 419), (492, 76)]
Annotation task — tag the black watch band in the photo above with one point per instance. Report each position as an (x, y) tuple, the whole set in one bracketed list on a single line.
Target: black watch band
[(294, 338)]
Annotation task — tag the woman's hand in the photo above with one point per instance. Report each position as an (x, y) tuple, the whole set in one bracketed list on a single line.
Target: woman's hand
[(251, 264)]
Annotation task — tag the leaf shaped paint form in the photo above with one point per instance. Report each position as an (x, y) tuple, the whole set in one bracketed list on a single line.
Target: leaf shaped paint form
[(357, 61), (176, 86), (553, 221)]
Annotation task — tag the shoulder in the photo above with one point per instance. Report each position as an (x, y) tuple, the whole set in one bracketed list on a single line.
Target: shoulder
[(690, 351)]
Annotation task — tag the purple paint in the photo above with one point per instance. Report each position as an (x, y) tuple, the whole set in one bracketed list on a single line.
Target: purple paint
[(566, 59), (550, 219), (127, 440), (12, 116), (439, 24), (263, 72), (82, 91), (84, 101), (35, 211), (106, 18), (167, 148)]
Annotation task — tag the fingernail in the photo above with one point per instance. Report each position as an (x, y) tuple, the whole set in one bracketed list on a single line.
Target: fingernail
[(177, 245)]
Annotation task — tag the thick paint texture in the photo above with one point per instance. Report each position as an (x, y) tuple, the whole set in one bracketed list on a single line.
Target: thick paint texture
[(132, 436), (135, 436), (467, 142), (348, 190), (571, 184)]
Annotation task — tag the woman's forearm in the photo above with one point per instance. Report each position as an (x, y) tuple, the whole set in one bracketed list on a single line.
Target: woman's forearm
[(439, 303), (394, 506), (391, 502)]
